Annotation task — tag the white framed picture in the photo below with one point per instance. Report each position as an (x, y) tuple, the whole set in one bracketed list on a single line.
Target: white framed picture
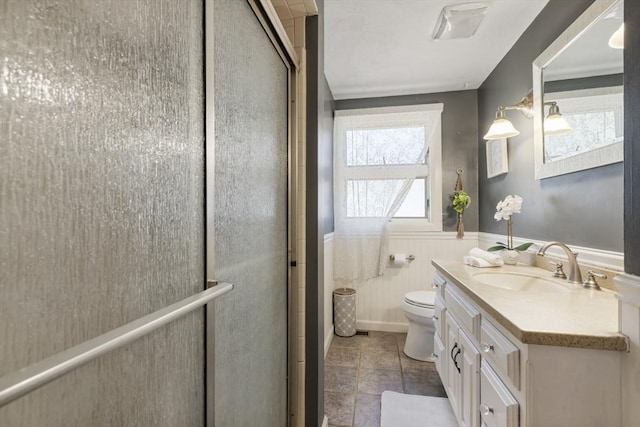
[(497, 159)]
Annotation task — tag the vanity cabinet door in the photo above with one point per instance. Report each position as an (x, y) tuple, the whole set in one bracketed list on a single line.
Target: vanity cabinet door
[(438, 315), (453, 380), (469, 362), (442, 362)]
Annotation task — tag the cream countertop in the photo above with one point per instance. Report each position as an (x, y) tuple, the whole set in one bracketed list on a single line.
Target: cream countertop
[(570, 317)]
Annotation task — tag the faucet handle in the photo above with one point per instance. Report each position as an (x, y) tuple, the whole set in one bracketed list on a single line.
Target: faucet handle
[(590, 281), (559, 272)]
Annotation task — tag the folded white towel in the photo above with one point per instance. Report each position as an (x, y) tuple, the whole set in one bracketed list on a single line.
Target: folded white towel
[(477, 262), (495, 260)]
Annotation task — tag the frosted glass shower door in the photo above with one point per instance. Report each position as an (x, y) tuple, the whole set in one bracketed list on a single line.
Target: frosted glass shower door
[(247, 169), (102, 206)]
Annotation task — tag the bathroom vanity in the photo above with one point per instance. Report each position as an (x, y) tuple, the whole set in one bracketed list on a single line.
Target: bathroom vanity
[(517, 348)]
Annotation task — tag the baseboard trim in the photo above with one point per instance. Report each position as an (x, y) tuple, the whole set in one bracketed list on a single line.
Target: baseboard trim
[(596, 257), (327, 340), (374, 325)]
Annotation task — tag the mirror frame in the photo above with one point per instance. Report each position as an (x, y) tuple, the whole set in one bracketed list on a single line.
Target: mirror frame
[(598, 157)]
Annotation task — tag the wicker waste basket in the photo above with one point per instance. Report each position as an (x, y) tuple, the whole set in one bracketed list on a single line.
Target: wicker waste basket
[(344, 312)]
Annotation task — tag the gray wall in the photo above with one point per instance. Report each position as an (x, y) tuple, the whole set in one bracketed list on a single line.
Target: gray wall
[(459, 139), (319, 208), (582, 208), (326, 106), (632, 137)]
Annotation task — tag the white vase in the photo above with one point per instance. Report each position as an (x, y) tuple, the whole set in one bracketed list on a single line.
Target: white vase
[(510, 256)]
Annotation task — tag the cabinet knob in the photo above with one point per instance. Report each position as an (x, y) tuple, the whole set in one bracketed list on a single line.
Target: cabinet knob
[(435, 285), (434, 355), (486, 347), (485, 409), (434, 317)]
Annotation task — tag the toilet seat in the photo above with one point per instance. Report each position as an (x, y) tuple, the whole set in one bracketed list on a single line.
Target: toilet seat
[(423, 299)]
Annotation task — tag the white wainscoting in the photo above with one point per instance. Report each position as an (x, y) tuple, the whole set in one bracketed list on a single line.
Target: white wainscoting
[(378, 300), (589, 256)]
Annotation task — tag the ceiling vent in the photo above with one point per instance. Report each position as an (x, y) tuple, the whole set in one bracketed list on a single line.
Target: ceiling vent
[(459, 21)]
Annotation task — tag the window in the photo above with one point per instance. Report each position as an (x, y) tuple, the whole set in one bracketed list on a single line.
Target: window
[(596, 116), (388, 160)]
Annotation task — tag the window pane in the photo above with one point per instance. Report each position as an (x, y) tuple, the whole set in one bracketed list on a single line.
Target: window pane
[(590, 131), (371, 198), (394, 146), (415, 204)]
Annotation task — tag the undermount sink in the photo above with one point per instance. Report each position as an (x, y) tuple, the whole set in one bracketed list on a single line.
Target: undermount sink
[(519, 282)]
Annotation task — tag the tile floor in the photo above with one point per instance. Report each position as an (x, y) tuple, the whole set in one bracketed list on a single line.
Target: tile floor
[(359, 368)]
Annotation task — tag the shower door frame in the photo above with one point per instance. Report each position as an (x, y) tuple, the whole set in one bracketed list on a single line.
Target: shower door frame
[(268, 18)]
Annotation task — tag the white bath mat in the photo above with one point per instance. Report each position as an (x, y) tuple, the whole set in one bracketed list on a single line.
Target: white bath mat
[(408, 410)]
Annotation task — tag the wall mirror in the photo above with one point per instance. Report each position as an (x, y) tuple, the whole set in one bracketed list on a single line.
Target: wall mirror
[(579, 78)]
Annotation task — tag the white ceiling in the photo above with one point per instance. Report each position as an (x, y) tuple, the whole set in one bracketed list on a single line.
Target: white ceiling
[(384, 47)]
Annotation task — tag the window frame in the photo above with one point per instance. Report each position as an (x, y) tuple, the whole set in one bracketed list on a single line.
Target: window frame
[(432, 170)]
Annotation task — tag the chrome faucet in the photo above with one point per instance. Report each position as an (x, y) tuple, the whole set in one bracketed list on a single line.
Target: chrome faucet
[(574, 269)]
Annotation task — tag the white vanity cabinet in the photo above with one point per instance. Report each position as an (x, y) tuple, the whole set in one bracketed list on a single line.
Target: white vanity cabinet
[(493, 379), (458, 361)]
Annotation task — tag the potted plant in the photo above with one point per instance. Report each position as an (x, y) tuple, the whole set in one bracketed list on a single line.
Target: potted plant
[(461, 200), (505, 210)]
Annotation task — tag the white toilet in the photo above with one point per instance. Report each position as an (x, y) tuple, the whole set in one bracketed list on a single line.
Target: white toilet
[(418, 308)]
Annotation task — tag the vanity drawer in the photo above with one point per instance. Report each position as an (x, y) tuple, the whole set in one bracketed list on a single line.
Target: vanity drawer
[(438, 285), (502, 353), (466, 314), (438, 315), (498, 407)]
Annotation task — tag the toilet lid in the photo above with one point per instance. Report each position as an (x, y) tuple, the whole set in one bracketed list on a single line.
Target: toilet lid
[(421, 298)]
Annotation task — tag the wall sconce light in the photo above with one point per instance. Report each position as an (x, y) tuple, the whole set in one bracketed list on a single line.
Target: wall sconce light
[(501, 126), (554, 123), (617, 39)]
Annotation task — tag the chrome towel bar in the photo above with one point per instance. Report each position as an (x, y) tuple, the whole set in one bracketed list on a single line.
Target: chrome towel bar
[(17, 384)]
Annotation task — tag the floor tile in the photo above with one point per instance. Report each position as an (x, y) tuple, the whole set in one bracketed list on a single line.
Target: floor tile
[(375, 358), (359, 368), (425, 384), (412, 365), (401, 338), (340, 378), (375, 381), (343, 356), (354, 341), (367, 411), (383, 341), (339, 406)]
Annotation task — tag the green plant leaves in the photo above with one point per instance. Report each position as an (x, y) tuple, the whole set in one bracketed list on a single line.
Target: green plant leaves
[(502, 246), (461, 201), (523, 247), (499, 247)]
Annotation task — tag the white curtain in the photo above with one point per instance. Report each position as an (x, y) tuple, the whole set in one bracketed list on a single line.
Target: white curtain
[(377, 155)]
